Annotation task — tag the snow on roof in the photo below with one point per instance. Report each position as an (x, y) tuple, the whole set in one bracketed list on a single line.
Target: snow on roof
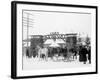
[(49, 41), (60, 41), (54, 44)]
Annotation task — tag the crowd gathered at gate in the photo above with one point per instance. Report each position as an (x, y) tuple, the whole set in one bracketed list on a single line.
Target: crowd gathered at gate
[(62, 53)]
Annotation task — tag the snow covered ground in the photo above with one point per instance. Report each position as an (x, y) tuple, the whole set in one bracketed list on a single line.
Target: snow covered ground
[(34, 63)]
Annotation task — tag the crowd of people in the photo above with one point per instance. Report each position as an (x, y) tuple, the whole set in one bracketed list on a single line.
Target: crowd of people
[(43, 53)]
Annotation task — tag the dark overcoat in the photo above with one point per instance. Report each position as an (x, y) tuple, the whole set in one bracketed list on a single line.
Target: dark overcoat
[(82, 55)]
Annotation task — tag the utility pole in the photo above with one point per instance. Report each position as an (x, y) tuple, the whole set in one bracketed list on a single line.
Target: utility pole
[(27, 22), (27, 28)]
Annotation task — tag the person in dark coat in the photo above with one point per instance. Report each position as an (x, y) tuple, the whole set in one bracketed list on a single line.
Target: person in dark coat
[(64, 52), (27, 52), (89, 54), (82, 54)]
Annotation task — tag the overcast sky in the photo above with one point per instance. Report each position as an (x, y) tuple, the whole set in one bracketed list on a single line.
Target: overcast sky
[(46, 22)]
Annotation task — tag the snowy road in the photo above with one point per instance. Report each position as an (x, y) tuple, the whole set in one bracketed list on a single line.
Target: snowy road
[(34, 63)]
